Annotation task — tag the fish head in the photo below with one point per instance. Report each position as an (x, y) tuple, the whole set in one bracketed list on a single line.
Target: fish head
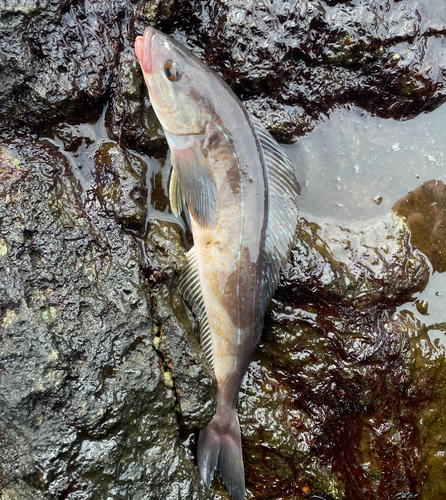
[(174, 77)]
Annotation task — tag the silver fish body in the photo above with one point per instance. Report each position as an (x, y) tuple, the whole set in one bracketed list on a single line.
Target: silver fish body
[(241, 192)]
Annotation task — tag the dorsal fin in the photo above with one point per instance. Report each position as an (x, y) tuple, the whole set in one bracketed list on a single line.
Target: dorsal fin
[(283, 190), (190, 289)]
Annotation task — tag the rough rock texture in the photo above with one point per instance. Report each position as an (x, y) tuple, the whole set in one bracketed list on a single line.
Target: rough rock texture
[(100, 372), (181, 353), (290, 61), (60, 60), (85, 411), (294, 60), (56, 56)]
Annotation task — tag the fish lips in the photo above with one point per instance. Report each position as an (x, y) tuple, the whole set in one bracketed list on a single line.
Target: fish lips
[(143, 49)]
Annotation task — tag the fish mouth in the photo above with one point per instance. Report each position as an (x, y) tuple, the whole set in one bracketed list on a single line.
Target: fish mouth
[(143, 48)]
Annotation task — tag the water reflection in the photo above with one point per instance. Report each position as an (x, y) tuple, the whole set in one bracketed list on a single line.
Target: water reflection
[(81, 144), (354, 166)]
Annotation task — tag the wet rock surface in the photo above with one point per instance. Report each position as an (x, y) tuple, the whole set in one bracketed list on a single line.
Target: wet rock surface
[(424, 209), (86, 411), (57, 57), (289, 61), (195, 383), (61, 61), (100, 371), (293, 61), (336, 382)]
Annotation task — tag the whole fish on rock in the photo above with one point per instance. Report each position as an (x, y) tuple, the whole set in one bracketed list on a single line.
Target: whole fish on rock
[(241, 192)]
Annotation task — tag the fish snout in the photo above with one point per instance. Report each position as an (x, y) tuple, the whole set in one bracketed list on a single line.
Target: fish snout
[(143, 49)]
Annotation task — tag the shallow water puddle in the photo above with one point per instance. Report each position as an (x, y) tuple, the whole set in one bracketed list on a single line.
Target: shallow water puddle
[(354, 166)]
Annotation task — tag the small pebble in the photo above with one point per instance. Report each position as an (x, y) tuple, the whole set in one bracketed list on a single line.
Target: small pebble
[(168, 380), (156, 342)]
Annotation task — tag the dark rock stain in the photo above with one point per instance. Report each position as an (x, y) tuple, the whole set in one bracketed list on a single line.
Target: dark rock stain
[(424, 209)]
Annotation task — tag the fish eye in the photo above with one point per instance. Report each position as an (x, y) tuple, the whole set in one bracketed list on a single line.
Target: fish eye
[(172, 70)]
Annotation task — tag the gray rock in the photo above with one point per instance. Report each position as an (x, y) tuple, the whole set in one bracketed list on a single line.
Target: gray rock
[(293, 61), (195, 382), (58, 57), (85, 413)]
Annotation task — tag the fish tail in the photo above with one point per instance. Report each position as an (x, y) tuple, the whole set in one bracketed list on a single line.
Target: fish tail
[(220, 448)]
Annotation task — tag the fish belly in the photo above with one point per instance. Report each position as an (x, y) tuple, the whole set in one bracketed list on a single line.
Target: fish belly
[(230, 261)]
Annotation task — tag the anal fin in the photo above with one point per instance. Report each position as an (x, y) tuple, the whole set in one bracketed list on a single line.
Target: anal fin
[(190, 289)]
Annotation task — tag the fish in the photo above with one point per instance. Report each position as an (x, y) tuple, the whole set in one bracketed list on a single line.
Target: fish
[(241, 191)]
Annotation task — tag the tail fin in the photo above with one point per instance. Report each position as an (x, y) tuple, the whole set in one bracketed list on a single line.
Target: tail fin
[(220, 448)]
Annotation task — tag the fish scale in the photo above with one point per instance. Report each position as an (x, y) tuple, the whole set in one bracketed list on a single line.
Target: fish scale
[(240, 189)]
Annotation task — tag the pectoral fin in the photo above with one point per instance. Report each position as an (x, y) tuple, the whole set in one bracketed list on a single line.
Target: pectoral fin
[(175, 194), (196, 185)]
